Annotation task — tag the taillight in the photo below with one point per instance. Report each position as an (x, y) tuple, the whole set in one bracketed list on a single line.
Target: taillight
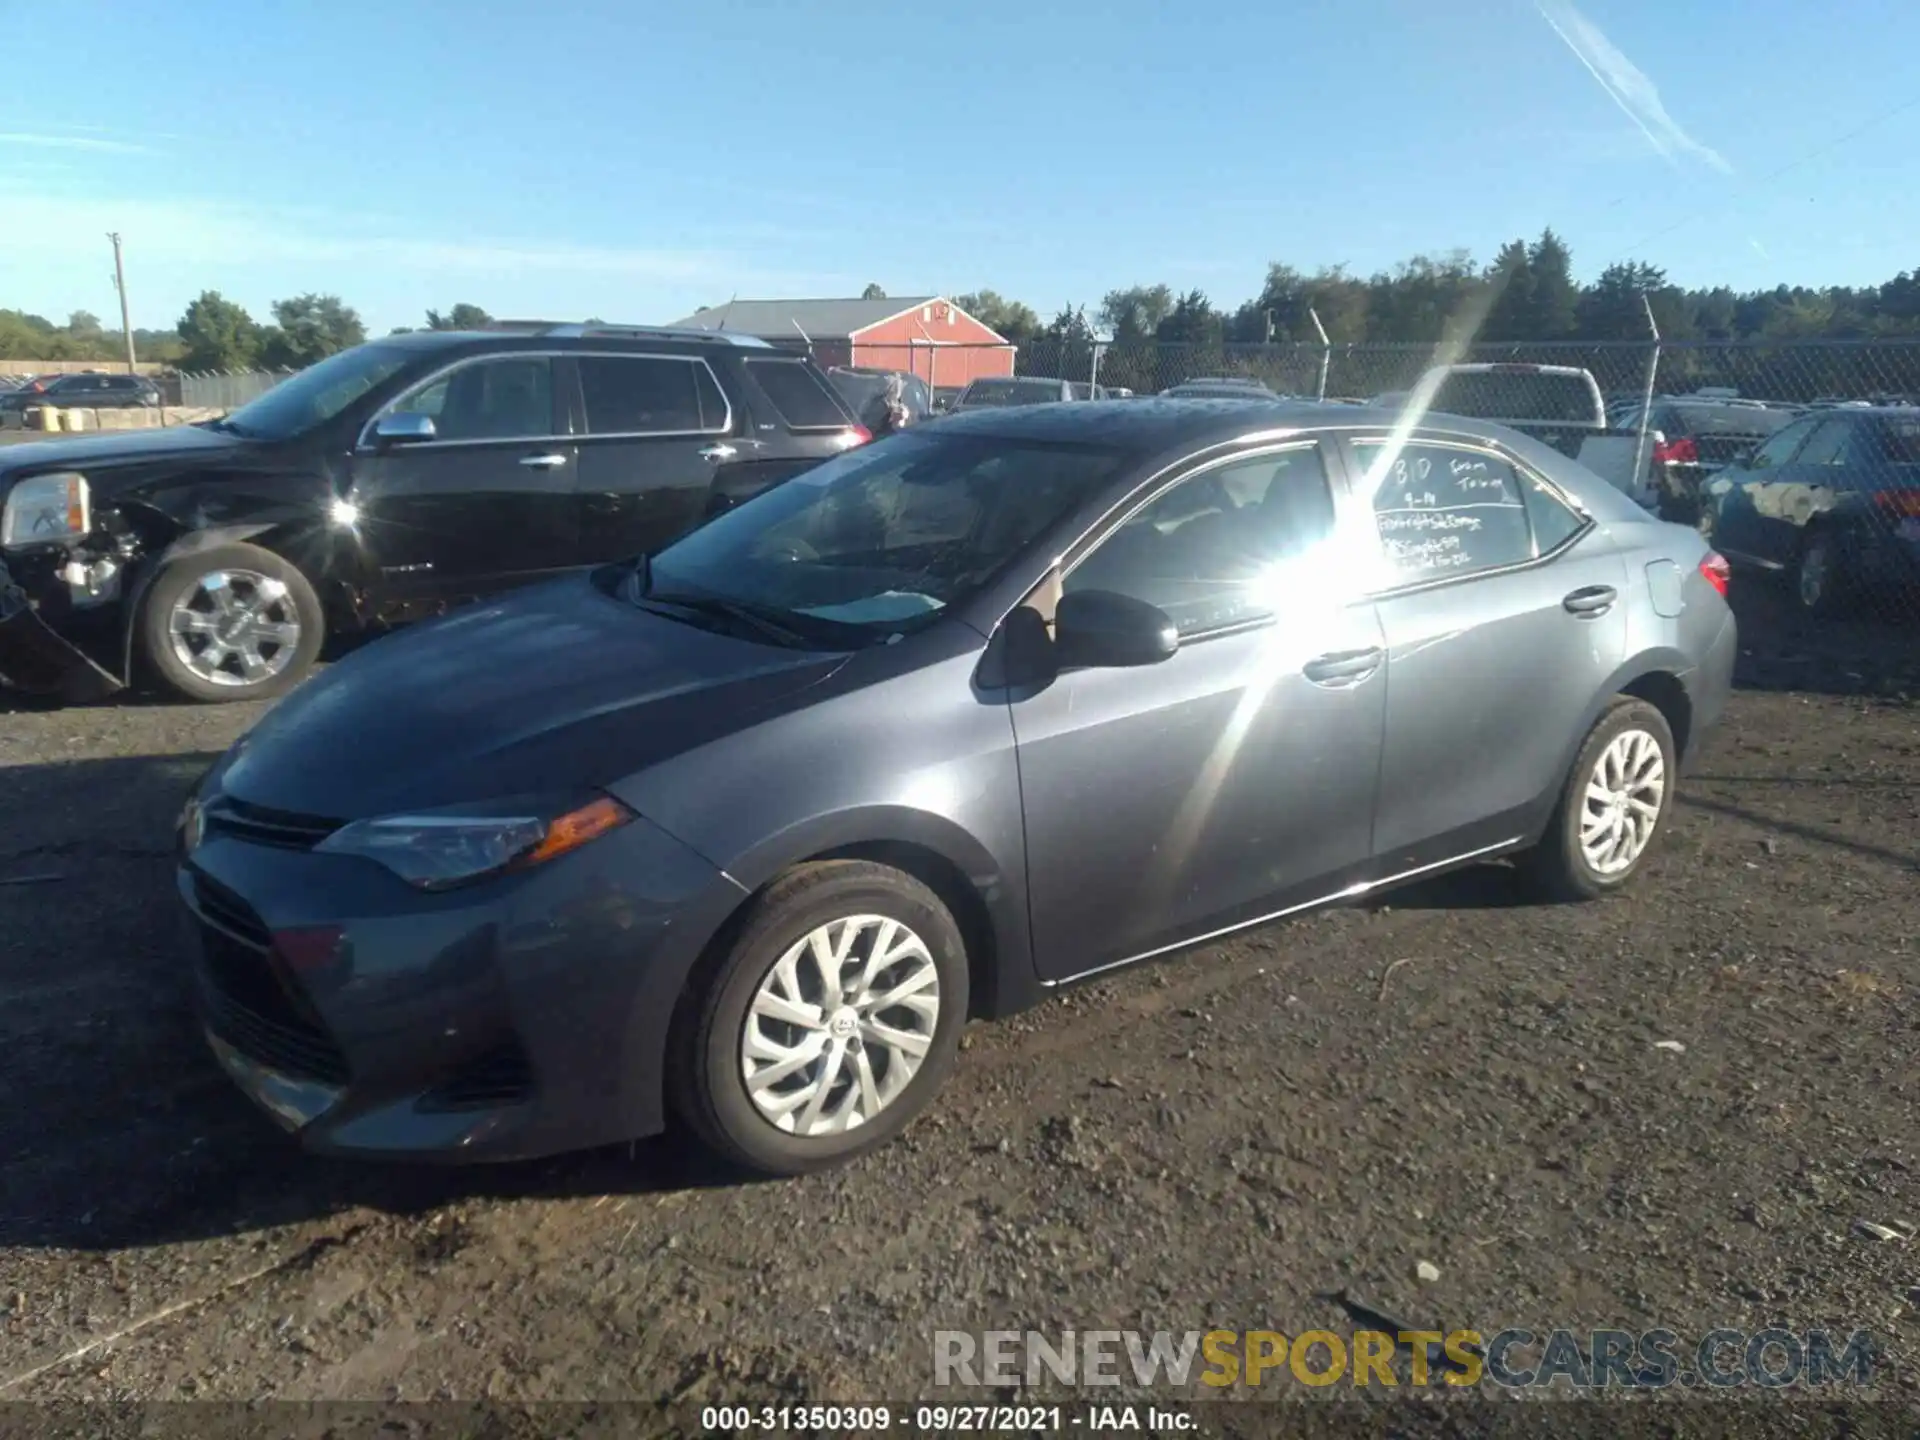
[(1718, 573), (1676, 452), (857, 436), (308, 950), (1898, 504)]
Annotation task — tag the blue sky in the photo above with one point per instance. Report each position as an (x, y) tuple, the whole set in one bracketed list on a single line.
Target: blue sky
[(635, 160)]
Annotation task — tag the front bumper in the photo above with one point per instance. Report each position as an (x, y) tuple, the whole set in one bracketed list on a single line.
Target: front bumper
[(518, 1017), (37, 660)]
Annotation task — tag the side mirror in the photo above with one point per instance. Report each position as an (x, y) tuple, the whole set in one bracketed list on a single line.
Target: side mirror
[(403, 428), (1104, 630)]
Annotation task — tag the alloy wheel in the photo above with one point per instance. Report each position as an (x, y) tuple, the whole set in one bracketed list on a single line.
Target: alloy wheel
[(840, 1025), (235, 627), (1622, 802)]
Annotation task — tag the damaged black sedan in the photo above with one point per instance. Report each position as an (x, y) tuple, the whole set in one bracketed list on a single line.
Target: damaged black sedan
[(388, 482)]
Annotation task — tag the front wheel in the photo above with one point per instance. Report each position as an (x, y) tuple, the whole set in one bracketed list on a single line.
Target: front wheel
[(1616, 798), (231, 622), (829, 1024), (1819, 582)]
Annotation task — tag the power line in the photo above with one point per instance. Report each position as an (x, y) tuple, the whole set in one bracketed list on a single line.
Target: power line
[(1790, 166)]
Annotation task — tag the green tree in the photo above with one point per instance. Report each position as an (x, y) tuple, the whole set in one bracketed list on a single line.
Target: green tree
[(1556, 296), (461, 317), (84, 325), (1612, 308), (216, 334), (1512, 314), (309, 328), (873, 292), (1192, 321), (1008, 319), (1069, 343), (1134, 314)]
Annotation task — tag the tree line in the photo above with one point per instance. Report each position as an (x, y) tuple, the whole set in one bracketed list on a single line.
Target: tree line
[(1527, 293)]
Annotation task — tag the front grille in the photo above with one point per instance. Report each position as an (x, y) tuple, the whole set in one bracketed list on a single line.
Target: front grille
[(501, 1076), (251, 1004), (261, 825)]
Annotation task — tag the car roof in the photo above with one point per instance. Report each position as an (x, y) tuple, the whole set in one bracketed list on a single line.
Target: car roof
[(507, 334), (1161, 422)]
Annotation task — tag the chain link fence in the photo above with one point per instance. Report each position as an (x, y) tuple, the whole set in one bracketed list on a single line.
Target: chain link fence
[(226, 389)]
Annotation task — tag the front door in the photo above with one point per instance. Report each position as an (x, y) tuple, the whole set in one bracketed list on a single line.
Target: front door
[(1505, 615), (1234, 779), (1740, 495), (489, 501)]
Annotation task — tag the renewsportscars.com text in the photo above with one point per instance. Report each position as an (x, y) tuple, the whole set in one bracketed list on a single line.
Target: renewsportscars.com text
[(1512, 1358)]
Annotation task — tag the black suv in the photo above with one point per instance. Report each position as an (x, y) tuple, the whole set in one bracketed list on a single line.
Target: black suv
[(387, 482)]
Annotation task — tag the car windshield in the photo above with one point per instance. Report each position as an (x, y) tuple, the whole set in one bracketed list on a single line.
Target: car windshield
[(1011, 392), (317, 394), (883, 539)]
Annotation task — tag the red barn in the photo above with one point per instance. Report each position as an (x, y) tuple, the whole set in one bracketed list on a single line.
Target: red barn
[(925, 335)]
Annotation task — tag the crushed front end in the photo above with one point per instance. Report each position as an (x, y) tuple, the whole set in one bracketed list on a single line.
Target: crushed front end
[(62, 622)]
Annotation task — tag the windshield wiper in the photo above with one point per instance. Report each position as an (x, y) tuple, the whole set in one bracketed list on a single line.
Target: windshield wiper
[(754, 617)]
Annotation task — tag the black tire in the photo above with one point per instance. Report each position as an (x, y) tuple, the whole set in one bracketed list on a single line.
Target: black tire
[(707, 1088), (1820, 579), (1557, 868), (180, 577)]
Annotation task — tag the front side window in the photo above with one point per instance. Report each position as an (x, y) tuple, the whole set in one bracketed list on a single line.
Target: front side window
[(1443, 510), (1780, 448), (1828, 445), (886, 537), (1218, 548), (506, 399), (649, 395)]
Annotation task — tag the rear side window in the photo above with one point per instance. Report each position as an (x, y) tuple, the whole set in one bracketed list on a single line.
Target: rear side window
[(1780, 448), (1443, 511), (1892, 442), (799, 394), (649, 395)]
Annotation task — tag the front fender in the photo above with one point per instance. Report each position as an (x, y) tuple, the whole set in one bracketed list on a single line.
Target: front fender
[(148, 569)]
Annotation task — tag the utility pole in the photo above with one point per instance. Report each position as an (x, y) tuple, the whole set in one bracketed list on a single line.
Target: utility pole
[(120, 284)]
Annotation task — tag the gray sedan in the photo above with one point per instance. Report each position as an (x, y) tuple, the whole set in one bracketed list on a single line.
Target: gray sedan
[(749, 830)]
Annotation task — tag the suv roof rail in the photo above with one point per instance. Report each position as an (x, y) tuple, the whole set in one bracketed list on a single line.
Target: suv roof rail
[(575, 330)]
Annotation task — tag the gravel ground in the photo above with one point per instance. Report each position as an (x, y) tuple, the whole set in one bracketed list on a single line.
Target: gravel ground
[(1225, 1140)]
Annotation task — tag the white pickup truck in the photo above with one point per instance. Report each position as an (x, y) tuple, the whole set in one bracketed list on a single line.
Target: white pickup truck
[(1558, 405)]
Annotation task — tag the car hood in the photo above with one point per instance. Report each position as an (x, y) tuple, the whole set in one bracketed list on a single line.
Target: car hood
[(115, 447), (554, 688)]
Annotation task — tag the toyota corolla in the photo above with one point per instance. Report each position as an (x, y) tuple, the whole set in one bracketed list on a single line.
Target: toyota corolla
[(746, 831)]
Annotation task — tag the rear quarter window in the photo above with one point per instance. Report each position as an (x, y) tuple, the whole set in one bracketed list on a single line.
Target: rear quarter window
[(802, 399), (1444, 511)]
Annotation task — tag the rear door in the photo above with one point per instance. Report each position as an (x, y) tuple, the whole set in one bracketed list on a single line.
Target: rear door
[(799, 420), (489, 501), (1503, 611), (654, 430)]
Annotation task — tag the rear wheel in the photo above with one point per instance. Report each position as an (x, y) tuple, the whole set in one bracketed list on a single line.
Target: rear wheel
[(232, 622), (830, 1023), (1616, 798)]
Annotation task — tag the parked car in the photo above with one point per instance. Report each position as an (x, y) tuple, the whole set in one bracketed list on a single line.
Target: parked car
[(1558, 405), (384, 483), (88, 389), (747, 831), (993, 394), (1220, 388), (14, 402), (865, 392), (1698, 436), (944, 397), (1831, 500)]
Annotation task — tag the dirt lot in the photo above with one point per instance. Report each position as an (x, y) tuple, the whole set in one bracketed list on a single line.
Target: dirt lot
[(1222, 1140)]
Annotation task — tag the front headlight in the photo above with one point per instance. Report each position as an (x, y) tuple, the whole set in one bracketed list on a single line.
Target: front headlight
[(437, 849), (46, 508)]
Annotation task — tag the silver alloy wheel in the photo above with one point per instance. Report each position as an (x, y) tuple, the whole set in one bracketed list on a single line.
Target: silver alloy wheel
[(235, 627), (1814, 564), (1622, 802), (840, 1025)]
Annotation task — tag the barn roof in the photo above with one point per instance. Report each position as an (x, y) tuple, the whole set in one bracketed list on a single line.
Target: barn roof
[(820, 319)]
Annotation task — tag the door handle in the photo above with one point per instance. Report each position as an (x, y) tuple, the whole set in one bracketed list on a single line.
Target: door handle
[(1591, 602), (1343, 666), (551, 461), (714, 454)]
